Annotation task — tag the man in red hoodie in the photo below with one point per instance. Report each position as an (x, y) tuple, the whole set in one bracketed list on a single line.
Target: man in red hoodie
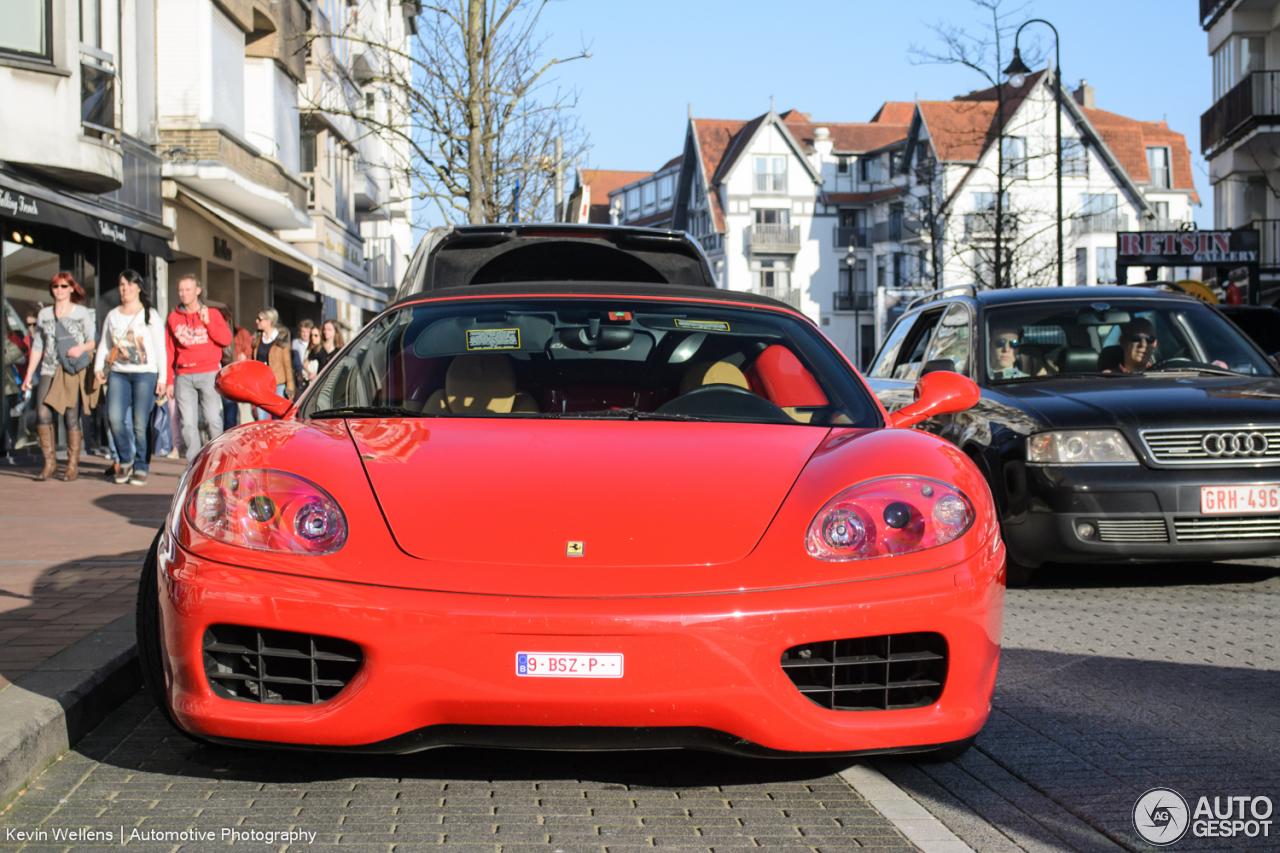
[(194, 339)]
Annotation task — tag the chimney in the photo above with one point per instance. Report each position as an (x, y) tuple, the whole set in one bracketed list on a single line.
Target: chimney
[(822, 142), (1084, 95)]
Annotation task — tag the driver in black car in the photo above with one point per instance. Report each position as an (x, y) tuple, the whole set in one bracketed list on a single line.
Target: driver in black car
[(1138, 345)]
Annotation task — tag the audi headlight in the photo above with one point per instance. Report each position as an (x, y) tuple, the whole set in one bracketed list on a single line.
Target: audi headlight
[(892, 515), (1080, 447), (267, 511)]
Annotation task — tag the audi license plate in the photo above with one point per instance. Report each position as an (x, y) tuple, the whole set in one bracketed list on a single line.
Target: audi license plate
[(1239, 500), (568, 665)]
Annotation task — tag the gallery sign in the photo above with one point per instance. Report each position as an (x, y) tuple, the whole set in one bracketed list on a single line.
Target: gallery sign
[(1186, 248)]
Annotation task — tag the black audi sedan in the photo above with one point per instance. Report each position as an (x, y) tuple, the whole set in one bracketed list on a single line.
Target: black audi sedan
[(1117, 424)]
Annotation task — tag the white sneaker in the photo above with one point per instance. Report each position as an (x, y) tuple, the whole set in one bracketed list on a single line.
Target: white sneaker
[(125, 472)]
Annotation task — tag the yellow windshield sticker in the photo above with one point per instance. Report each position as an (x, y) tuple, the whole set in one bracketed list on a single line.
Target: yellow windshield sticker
[(487, 339), (703, 325)]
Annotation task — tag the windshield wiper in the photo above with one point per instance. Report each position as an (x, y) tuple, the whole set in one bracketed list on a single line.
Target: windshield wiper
[(630, 414), (368, 412)]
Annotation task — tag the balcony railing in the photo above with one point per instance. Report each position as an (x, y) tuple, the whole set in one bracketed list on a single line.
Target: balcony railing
[(851, 237), (983, 223), (1268, 241), (770, 183), (711, 242), (1254, 99), (1100, 223), (774, 236), (789, 295), (380, 261), (1158, 224), (858, 300)]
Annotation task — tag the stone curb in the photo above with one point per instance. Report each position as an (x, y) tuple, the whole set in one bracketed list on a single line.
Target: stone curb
[(911, 819), (50, 708)]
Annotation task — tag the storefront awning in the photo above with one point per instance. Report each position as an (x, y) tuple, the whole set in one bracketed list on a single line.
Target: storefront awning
[(325, 277), (29, 202)]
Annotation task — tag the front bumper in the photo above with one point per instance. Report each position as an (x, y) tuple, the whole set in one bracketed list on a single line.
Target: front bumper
[(701, 671), (1159, 511)]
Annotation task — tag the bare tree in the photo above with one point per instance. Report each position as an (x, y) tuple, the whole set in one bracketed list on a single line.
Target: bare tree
[(474, 108), (1006, 239)]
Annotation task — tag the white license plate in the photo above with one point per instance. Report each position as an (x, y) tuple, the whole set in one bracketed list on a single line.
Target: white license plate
[(568, 665), (1237, 500)]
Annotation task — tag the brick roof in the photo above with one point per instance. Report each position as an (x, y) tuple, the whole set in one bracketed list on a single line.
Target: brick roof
[(1129, 138), (894, 112), (850, 137), (715, 138), (603, 182)]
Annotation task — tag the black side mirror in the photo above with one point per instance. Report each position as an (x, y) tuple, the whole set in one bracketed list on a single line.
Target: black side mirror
[(938, 364)]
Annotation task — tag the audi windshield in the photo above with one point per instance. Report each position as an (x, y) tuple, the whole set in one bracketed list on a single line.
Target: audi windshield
[(1115, 337)]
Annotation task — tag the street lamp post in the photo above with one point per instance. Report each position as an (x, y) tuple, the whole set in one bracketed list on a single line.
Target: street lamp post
[(1018, 72)]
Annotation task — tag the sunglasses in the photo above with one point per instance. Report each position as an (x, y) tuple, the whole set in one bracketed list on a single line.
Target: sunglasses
[(1001, 343), (61, 287), (1141, 339)]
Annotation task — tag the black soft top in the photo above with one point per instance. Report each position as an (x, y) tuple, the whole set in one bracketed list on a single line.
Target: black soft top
[(553, 254)]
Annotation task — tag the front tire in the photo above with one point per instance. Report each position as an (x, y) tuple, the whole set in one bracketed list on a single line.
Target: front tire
[(147, 632)]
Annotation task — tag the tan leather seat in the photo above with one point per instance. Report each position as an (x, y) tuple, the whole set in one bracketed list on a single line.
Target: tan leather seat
[(480, 383), (712, 373)]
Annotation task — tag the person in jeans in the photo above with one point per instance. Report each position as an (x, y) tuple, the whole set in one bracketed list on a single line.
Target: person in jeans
[(271, 347), (69, 312), (133, 348), (194, 338)]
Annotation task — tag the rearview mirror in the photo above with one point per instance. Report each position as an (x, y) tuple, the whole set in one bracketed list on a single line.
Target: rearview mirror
[(938, 364), (251, 382), (937, 393)]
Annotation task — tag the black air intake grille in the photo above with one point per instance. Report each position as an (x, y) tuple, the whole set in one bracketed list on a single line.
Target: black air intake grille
[(870, 673), (277, 667)]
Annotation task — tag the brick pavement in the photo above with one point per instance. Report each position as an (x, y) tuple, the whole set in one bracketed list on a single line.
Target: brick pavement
[(1114, 681), (136, 773), (70, 556)]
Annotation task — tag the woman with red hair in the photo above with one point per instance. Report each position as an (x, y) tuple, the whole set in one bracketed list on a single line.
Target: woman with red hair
[(66, 318)]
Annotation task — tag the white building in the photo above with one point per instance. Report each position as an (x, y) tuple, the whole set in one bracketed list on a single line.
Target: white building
[(1240, 133), (79, 179), (1118, 174), (268, 173), (823, 214), (648, 200)]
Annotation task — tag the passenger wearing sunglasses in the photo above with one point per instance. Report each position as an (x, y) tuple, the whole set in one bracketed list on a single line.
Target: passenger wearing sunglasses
[(1003, 359), (1138, 345)]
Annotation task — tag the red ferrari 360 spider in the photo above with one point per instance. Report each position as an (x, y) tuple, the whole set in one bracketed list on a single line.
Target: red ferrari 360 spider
[(565, 493)]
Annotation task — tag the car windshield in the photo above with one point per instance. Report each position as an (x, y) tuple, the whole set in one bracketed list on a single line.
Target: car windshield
[(592, 358), (1114, 337)]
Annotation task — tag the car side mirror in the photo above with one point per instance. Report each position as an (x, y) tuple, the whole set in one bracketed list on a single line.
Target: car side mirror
[(251, 382), (939, 393), (938, 364)]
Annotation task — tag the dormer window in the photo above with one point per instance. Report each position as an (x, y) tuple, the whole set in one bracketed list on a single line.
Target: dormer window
[(842, 164)]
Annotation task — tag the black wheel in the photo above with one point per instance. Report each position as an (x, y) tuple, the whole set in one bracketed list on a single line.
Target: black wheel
[(1016, 574), (147, 630), (950, 752)]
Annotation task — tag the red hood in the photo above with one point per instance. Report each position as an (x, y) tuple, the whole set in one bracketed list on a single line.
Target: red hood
[(634, 493)]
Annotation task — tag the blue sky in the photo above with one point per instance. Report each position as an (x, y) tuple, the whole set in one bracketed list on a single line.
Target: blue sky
[(840, 59)]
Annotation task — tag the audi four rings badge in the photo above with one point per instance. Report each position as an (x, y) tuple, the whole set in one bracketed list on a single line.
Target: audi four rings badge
[(1218, 444)]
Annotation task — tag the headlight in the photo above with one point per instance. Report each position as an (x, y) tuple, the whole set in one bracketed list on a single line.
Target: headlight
[(1080, 447), (893, 515), (267, 511)]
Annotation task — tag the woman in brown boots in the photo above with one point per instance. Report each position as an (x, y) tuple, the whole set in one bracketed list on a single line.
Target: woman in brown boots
[(61, 351)]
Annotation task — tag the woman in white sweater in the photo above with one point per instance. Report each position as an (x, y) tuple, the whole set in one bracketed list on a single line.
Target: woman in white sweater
[(132, 346)]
